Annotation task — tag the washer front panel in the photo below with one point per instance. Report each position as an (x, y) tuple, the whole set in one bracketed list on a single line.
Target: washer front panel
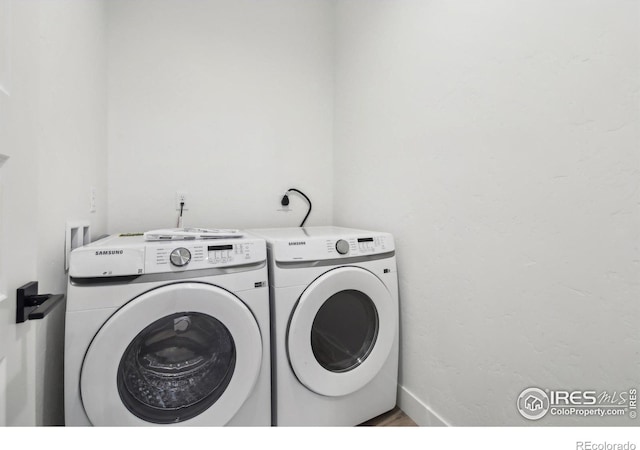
[(360, 352), (162, 317)]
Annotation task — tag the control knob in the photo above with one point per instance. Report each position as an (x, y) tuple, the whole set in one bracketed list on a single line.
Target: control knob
[(180, 257), (342, 247)]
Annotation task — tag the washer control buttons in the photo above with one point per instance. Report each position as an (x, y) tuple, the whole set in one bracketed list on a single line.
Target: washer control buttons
[(180, 257), (342, 247)]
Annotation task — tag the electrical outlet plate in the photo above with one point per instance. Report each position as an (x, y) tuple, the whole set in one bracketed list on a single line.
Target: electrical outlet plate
[(93, 194), (283, 208), (181, 196)]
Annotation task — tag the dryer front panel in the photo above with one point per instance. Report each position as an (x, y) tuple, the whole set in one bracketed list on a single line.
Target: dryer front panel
[(186, 353), (341, 331)]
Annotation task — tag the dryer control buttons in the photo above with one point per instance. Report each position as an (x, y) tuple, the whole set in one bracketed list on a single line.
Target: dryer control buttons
[(342, 247), (180, 257)]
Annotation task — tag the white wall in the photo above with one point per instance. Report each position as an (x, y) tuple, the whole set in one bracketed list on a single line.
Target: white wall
[(228, 100), (72, 127), (500, 141), (72, 158), (57, 148)]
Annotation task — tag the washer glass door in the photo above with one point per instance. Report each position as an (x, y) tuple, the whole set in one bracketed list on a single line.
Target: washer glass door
[(176, 367), (184, 353), (341, 331)]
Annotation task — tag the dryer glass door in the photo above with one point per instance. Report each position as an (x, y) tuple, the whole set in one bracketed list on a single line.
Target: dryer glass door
[(184, 353), (342, 331)]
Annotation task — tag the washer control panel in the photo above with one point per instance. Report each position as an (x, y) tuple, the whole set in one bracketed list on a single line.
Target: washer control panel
[(131, 254), (194, 255)]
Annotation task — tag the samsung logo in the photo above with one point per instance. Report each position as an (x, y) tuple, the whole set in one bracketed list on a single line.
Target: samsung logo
[(109, 252), (297, 243)]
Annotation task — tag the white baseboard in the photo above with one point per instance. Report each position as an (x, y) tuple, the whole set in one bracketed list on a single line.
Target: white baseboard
[(420, 413)]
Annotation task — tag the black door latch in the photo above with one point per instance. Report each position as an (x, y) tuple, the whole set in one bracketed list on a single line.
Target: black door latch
[(30, 305)]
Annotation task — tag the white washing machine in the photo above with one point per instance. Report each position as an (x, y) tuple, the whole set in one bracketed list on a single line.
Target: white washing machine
[(334, 323), (168, 333)]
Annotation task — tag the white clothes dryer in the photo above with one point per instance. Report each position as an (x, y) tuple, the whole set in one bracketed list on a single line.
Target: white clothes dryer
[(334, 323), (168, 333)]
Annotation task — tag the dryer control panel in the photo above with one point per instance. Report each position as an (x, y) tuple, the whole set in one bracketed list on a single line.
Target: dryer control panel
[(359, 246), (325, 243)]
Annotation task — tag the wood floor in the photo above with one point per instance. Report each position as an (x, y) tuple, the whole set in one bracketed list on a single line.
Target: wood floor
[(393, 418)]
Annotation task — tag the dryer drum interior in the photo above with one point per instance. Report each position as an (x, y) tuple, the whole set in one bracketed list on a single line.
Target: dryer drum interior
[(176, 368)]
